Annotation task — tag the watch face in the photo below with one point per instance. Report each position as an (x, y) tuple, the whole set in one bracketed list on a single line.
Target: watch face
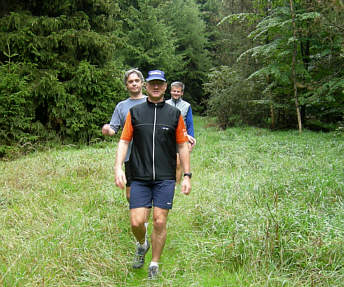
[(189, 174)]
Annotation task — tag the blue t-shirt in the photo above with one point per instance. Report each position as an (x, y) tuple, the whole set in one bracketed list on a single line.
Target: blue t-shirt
[(120, 114)]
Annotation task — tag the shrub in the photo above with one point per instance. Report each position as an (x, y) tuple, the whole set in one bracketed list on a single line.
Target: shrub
[(231, 98)]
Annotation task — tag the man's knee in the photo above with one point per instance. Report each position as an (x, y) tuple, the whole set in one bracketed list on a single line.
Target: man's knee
[(137, 223), (138, 217), (159, 223)]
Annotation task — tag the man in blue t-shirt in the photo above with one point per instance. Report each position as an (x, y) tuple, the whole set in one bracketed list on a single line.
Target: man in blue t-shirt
[(133, 80), (177, 91)]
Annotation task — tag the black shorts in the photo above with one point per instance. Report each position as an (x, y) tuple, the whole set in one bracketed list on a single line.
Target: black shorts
[(152, 193), (128, 173)]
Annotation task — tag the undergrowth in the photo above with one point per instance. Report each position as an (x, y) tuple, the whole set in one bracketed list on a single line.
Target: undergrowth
[(266, 209)]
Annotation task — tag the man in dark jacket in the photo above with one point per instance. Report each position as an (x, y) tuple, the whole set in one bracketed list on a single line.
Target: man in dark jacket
[(155, 128)]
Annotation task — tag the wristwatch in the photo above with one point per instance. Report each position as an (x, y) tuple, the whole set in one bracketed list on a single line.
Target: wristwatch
[(189, 174)]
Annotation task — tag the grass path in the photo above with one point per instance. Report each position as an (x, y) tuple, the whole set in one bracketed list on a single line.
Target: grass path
[(266, 209)]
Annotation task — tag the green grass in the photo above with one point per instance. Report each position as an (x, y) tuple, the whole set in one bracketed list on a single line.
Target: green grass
[(266, 209)]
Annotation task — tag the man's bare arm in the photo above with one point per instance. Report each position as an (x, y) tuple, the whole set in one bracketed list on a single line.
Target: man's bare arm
[(122, 149), (184, 155)]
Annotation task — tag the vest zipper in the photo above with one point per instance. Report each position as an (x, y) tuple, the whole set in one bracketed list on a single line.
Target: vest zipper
[(154, 142)]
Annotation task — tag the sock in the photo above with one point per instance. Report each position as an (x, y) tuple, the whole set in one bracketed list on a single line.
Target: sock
[(146, 235), (153, 264), (144, 245)]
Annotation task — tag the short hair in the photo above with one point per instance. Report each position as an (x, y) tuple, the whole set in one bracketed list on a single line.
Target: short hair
[(178, 84), (131, 71)]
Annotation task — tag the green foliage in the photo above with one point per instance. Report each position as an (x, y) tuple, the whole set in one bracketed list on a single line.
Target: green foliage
[(16, 106), (229, 99), (62, 61), (319, 61), (150, 43), (247, 18), (73, 54), (191, 39), (65, 59)]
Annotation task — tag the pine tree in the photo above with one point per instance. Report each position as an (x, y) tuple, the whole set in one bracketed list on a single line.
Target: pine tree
[(191, 37), (150, 43), (67, 54)]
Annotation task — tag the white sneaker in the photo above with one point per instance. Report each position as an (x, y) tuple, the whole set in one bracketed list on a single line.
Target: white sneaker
[(153, 272)]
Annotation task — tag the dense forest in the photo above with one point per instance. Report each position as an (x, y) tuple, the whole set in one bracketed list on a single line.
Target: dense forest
[(275, 64)]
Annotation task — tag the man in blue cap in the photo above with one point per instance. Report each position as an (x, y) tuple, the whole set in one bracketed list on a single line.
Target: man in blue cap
[(157, 130)]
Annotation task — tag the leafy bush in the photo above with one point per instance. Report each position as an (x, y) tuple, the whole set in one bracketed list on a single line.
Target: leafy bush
[(231, 99), (16, 106)]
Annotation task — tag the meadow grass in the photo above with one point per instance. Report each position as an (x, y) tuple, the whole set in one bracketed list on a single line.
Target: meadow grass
[(266, 209)]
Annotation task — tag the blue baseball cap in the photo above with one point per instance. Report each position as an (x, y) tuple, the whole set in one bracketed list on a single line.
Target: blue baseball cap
[(156, 75)]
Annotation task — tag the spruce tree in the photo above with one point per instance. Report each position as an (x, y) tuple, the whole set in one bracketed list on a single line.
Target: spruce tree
[(70, 66)]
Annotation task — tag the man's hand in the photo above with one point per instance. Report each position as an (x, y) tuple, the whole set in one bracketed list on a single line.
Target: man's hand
[(186, 185), (120, 178), (107, 130), (192, 142)]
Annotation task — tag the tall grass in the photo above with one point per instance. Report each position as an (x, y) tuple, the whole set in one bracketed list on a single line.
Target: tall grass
[(266, 209)]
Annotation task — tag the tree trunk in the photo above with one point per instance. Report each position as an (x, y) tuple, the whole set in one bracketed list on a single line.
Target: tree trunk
[(294, 67), (272, 115)]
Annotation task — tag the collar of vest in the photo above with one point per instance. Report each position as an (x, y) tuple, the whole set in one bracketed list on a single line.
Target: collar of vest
[(176, 101), (159, 105)]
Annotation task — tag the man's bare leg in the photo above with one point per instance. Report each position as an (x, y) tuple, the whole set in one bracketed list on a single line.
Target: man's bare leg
[(147, 209), (127, 193), (159, 232), (138, 227), (137, 221)]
